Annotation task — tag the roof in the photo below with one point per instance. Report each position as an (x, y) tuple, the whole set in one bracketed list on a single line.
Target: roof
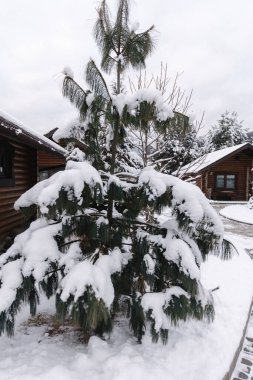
[(65, 138), (11, 126), (203, 163)]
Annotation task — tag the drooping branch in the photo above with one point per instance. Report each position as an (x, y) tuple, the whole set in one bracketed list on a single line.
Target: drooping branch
[(96, 80), (75, 94)]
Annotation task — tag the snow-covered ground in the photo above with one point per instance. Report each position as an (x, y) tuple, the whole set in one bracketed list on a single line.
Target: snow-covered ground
[(240, 213), (195, 350)]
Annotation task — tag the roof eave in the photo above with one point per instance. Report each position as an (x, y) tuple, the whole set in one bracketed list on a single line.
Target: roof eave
[(11, 129), (206, 168)]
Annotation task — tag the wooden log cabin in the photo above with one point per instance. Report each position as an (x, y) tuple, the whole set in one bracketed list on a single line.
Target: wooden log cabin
[(25, 155), (225, 174)]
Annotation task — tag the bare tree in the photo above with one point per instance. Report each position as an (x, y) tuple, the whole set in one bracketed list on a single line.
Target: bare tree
[(151, 142)]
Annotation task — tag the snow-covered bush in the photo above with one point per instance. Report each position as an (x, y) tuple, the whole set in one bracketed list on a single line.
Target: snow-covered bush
[(250, 203)]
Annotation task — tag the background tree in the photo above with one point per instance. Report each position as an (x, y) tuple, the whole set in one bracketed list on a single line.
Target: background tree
[(227, 132), (181, 145), (175, 142), (99, 254)]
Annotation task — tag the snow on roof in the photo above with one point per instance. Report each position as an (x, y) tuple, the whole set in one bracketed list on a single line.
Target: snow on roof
[(10, 123), (203, 162)]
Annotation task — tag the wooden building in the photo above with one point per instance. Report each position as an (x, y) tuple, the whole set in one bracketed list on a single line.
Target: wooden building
[(225, 174), (24, 154)]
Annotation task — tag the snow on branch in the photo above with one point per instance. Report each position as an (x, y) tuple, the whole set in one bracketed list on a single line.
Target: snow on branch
[(73, 179), (132, 101), (157, 302), (98, 276), (32, 253), (186, 198)]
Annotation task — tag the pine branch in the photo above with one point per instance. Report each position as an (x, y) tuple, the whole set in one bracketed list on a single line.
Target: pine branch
[(102, 29), (75, 94), (138, 47), (96, 80), (121, 30), (138, 223), (107, 63), (69, 242), (122, 15)]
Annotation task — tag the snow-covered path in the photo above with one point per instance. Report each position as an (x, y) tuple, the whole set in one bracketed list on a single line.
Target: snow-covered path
[(244, 365), (234, 227), (243, 233)]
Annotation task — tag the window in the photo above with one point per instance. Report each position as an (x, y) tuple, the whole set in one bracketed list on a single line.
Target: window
[(6, 164), (226, 181)]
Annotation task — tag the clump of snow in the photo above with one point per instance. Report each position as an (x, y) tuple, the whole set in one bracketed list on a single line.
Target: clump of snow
[(11, 277), (132, 101), (98, 276), (75, 128), (113, 179), (39, 263), (76, 155), (68, 72), (239, 213), (71, 257), (102, 220), (157, 302), (35, 258), (82, 276), (188, 198), (180, 253), (73, 179)]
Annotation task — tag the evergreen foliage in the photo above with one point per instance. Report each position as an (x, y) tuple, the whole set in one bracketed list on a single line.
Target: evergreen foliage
[(103, 242), (227, 132), (180, 145)]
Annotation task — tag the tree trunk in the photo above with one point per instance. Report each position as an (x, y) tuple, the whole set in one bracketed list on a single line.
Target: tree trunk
[(114, 143)]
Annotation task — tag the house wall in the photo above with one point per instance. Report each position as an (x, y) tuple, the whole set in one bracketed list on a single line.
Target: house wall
[(240, 165), (25, 172), (49, 160)]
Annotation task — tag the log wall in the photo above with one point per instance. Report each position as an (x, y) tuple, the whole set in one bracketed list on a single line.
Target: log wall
[(49, 160), (25, 173)]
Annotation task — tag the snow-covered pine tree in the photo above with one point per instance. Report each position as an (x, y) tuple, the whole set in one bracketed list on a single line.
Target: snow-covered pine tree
[(92, 245), (227, 132), (180, 146)]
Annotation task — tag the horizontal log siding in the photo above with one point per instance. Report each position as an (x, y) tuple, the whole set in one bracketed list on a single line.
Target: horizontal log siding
[(25, 172), (231, 165), (49, 160)]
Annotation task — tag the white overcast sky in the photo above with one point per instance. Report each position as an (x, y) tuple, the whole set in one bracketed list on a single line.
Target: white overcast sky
[(209, 41)]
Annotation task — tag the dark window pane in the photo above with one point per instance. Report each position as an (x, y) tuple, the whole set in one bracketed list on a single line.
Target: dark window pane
[(230, 181), (6, 160), (220, 183)]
